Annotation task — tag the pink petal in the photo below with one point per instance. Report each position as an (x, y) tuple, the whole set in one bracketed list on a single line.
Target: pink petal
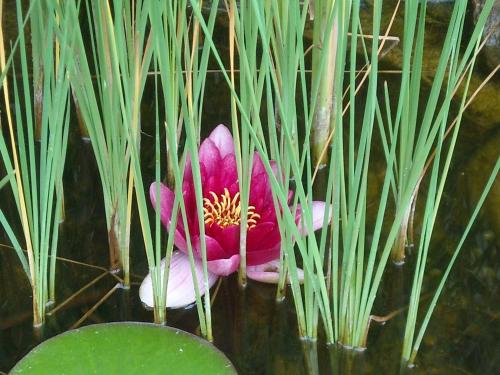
[(180, 288), (219, 261), (263, 235), (210, 181), (258, 186), (263, 256), (187, 179), (192, 217), (318, 216), (270, 272), (228, 238), (214, 249), (223, 140), (274, 167), (166, 202), (259, 168), (224, 267), (210, 158), (257, 165), (261, 196), (180, 241), (229, 174)]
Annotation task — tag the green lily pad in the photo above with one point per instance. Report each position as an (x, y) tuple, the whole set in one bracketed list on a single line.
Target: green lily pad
[(124, 348)]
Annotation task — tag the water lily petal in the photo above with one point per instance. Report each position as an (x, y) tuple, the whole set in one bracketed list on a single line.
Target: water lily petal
[(224, 267), (274, 167), (180, 288), (191, 212), (318, 216), (229, 174), (269, 272), (166, 203), (261, 196), (263, 256), (187, 179), (214, 249), (210, 159), (263, 235), (223, 140), (259, 180), (228, 238), (257, 165)]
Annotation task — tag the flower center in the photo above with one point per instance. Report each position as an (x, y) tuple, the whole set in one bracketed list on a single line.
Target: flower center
[(226, 210)]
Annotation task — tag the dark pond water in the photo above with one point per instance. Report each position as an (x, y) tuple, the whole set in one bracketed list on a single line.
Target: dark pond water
[(256, 333)]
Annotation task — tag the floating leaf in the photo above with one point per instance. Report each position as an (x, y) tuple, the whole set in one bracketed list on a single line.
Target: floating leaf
[(124, 348)]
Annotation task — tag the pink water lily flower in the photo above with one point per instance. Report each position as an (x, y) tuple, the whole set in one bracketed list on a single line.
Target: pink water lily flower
[(222, 217)]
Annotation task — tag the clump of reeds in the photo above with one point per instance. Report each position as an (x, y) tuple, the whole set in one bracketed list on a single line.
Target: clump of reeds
[(108, 86), (343, 271), (37, 167), (459, 69)]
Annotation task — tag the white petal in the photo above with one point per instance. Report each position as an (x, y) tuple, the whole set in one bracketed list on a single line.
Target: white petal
[(180, 289), (318, 217)]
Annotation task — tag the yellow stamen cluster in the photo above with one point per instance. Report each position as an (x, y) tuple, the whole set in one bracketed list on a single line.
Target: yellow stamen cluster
[(226, 211)]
